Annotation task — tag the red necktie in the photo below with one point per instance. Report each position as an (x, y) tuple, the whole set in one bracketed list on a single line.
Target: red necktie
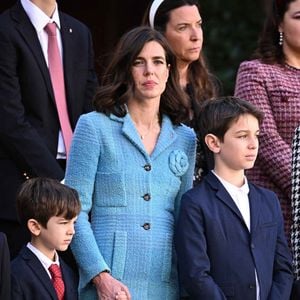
[(57, 281), (58, 84)]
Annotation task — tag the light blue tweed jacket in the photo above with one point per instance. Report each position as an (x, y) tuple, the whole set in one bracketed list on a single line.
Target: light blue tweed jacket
[(129, 202)]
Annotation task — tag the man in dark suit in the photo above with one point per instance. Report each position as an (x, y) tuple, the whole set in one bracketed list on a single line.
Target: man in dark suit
[(31, 143), (4, 268), (48, 209), (230, 238)]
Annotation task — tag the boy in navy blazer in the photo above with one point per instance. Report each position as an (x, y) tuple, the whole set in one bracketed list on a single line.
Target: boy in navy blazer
[(230, 239), (49, 209)]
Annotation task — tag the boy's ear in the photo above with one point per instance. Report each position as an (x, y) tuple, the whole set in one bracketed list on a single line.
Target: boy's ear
[(34, 227), (212, 142)]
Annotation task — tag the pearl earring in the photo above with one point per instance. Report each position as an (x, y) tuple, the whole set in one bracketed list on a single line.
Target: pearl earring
[(280, 38)]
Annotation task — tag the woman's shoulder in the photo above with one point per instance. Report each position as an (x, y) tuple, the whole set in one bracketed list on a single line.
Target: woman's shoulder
[(258, 71), (257, 66), (93, 116), (94, 121), (185, 131)]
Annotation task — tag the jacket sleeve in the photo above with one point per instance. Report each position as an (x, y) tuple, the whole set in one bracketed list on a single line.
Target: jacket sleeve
[(187, 178), (191, 247), (282, 270), (250, 85), (80, 175)]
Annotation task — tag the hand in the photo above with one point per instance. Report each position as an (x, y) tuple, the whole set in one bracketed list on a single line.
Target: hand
[(121, 296), (108, 288)]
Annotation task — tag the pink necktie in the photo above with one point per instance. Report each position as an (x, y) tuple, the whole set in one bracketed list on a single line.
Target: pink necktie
[(57, 281), (58, 84)]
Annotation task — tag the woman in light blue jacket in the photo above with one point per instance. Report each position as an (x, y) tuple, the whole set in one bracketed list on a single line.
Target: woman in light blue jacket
[(131, 160)]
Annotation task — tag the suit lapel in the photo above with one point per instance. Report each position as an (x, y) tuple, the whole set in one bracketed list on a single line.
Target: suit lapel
[(131, 133), (255, 207), (69, 281), (223, 196), (69, 55), (29, 35), (166, 137), (35, 265)]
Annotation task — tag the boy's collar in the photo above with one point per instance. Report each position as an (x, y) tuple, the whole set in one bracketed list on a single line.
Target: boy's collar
[(45, 260)]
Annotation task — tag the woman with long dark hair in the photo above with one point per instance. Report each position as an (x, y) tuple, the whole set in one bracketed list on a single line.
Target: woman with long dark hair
[(180, 22), (131, 160), (271, 82)]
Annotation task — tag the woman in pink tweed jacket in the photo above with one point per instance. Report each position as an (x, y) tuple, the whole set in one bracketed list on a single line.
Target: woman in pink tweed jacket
[(272, 82)]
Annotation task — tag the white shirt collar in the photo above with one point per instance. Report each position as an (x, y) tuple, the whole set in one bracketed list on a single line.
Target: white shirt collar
[(46, 261), (231, 188), (37, 17)]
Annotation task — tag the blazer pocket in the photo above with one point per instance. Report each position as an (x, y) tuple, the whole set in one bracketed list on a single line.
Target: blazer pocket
[(284, 94), (110, 190), (268, 224), (119, 254)]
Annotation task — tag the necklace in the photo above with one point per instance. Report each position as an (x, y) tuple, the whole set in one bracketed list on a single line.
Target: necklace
[(150, 128)]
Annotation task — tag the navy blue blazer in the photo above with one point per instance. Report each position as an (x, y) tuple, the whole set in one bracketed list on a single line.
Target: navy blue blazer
[(4, 269), (29, 121), (218, 255), (30, 281)]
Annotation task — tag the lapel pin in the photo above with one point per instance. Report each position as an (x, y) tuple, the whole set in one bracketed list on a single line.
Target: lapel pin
[(70, 30)]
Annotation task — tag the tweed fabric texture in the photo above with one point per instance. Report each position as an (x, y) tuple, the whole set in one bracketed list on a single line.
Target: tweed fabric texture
[(131, 199), (295, 231), (275, 89)]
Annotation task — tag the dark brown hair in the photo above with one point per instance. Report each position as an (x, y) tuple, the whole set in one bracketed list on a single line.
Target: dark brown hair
[(269, 50), (217, 115), (203, 83), (43, 198), (118, 85)]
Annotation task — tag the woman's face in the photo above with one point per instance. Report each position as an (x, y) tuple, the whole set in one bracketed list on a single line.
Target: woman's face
[(290, 27), (150, 72), (184, 33)]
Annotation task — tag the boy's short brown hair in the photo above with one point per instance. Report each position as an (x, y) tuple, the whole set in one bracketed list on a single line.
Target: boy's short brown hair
[(216, 117), (42, 198)]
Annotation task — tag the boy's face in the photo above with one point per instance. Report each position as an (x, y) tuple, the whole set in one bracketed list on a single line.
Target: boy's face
[(239, 148), (57, 236)]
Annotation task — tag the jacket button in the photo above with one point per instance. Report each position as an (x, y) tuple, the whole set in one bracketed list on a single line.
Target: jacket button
[(252, 246), (147, 167), (146, 226), (147, 197)]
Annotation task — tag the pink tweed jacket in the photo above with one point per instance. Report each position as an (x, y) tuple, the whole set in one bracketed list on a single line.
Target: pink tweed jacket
[(275, 89)]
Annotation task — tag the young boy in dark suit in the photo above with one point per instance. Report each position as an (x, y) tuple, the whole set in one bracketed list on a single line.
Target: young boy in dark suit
[(229, 238), (49, 209)]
